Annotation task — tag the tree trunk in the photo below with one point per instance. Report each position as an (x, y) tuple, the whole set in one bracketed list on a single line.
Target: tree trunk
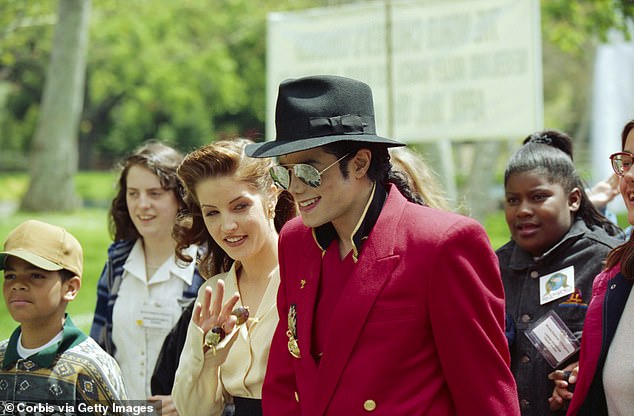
[(53, 156), (480, 181)]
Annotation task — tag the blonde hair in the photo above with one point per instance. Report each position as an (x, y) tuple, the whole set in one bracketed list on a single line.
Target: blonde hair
[(420, 177)]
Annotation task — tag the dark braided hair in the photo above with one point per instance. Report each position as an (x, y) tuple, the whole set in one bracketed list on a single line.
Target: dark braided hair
[(380, 170), (550, 152)]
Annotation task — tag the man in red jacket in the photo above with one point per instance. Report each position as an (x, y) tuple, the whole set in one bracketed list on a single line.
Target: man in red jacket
[(386, 305)]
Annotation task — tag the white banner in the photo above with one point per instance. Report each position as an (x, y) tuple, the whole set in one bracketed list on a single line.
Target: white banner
[(452, 69)]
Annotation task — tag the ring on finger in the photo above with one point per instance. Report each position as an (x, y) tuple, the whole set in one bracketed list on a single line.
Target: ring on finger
[(214, 336)]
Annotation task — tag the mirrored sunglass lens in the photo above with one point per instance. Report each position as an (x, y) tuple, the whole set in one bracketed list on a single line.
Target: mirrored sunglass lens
[(307, 174), (280, 176)]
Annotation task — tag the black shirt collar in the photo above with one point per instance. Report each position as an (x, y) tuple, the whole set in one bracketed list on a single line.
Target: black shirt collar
[(325, 234)]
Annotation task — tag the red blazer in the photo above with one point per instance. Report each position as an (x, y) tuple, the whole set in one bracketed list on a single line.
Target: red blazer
[(419, 328)]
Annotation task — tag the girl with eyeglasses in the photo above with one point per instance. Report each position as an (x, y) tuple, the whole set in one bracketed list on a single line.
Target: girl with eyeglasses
[(236, 211), (604, 380), (558, 243)]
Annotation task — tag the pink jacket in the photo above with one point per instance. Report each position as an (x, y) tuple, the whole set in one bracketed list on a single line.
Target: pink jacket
[(610, 291)]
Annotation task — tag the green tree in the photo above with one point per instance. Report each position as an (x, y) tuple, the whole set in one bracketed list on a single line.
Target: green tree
[(189, 72), (53, 161), (186, 73), (25, 34)]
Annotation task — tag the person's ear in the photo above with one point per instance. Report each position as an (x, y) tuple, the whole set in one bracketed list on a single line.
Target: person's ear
[(360, 163), (71, 288), (574, 200)]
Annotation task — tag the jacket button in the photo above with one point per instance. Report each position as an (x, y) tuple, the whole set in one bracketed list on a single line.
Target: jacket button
[(613, 286), (525, 404), (296, 397), (369, 405), (534, 274), (525, 359), (526, 318)]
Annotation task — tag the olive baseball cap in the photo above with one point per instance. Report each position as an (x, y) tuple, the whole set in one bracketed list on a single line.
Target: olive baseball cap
[(46, 246)]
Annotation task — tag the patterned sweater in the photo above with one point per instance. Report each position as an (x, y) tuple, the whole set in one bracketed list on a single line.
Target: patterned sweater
[(75, 370)]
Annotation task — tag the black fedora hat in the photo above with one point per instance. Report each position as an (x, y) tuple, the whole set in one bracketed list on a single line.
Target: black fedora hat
[(318, 110)]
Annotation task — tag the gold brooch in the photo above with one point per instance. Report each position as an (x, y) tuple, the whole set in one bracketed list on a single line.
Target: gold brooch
[(293, 346)]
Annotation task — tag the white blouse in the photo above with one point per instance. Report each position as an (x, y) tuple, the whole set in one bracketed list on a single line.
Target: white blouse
[(143, 314), (204, 380)]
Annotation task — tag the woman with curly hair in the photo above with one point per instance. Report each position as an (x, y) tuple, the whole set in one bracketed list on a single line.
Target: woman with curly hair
[(236, 211)]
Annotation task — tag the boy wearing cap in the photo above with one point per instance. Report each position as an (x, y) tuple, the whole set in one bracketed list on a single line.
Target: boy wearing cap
[(47, 360), (386, 306)]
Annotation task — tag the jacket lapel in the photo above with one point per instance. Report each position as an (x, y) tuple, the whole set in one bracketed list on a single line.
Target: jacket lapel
[(375, 267), (618, 291)]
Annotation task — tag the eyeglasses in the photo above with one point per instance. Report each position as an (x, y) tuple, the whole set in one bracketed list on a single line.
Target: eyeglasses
[(621, 162), (306, 173)]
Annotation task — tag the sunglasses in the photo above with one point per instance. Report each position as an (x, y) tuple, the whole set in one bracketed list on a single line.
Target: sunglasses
[(308, 174), (621, 162)]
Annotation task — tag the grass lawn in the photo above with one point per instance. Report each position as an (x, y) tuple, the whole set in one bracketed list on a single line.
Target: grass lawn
[(89, 225)]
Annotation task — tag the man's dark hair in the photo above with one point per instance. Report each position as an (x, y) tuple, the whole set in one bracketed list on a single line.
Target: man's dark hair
[(380, 170)]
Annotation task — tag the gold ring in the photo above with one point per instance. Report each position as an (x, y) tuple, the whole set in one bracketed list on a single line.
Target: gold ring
[(214, 336)]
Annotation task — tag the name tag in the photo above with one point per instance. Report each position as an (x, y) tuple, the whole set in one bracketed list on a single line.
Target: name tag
[(155, 316), (553, 339), (556, 285)]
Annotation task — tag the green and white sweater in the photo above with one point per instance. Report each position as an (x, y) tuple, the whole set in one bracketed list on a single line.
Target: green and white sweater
[(75, 370)]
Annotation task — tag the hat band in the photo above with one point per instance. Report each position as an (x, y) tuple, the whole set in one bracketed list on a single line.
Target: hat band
[(336, 125)]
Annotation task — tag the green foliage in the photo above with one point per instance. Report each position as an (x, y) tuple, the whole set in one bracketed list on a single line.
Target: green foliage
[(13, 186), (94, 188), (191, 71), (572, 25), (497, 229)]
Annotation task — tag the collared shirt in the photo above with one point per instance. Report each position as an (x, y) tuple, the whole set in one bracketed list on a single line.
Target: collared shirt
[(24, 352), (145, 311), (108, 291), (326, 234), (334, 270), (237, 368), (72, 370), (335, 275)]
